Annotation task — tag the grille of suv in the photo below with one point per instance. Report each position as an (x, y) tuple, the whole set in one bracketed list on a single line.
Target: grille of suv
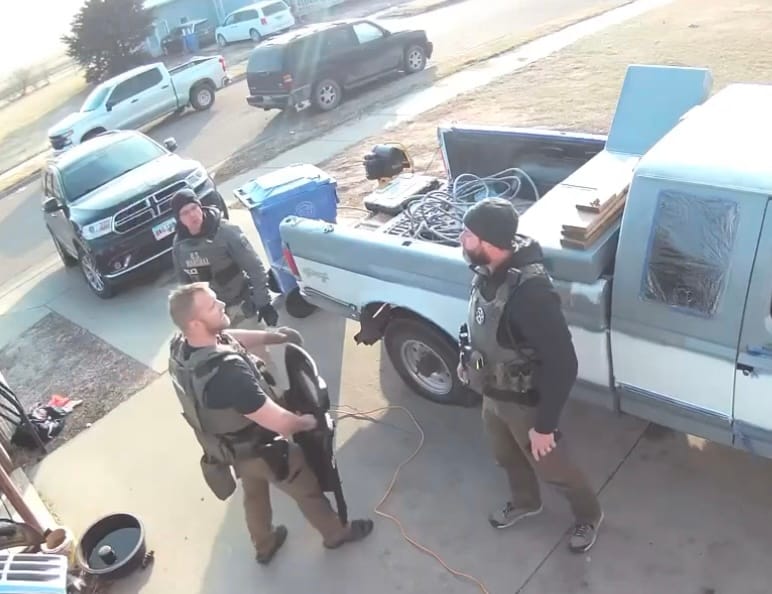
[(146, 210)]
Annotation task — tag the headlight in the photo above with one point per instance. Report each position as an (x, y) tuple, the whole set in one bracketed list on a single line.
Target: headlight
[(98, 228), (196, 178)]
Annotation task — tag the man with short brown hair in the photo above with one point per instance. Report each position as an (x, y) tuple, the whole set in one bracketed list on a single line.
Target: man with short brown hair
[(239, 423)]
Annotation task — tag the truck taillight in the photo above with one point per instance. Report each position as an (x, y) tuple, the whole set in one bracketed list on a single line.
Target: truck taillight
[(264, 21), (286, 81), (290, 259), (223, 63)]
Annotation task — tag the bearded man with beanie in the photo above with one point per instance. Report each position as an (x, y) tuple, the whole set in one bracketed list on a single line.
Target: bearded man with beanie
[(519, 355), (208, 248)]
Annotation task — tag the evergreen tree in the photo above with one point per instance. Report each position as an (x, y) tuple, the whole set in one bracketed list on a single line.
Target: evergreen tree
[(105, 37)]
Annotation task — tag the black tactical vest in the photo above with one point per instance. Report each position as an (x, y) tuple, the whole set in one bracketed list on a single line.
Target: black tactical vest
[(494, 370), (215, 429), (206, 259)]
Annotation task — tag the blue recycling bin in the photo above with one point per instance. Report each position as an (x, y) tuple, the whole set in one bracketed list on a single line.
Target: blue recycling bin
[(302, 190), (191, 42)]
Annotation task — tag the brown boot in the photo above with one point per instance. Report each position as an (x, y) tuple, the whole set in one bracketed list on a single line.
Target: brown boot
[(357, 530), (280, 535)]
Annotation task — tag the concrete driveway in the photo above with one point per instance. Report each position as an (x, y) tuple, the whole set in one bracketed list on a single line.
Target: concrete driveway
[(682, 515)]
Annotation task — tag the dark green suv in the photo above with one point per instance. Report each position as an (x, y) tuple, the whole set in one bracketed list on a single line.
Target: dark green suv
[(316, 64)]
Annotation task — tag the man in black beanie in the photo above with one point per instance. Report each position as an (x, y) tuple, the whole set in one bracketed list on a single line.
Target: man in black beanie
[(208, 248), (520, 357)]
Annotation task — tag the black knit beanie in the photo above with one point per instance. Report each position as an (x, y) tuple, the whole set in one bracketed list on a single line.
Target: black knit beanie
[(182, 199), (493, 220)]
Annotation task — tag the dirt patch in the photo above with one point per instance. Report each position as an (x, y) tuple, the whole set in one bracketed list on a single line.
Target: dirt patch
[(57, 357), (577, 88), (290, 130)]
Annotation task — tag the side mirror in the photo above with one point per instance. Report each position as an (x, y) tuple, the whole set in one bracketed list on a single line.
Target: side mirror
[(108, 106), (170, 144), (51, 205)]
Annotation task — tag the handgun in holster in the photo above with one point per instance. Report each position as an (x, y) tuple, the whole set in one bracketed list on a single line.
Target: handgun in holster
[(464, 345), (276, 456)]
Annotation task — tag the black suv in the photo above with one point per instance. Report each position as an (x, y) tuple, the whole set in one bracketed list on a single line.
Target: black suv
[(107, 203), (315, 64)]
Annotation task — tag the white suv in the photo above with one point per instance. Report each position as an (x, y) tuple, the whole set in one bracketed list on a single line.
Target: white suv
[(255, 22)]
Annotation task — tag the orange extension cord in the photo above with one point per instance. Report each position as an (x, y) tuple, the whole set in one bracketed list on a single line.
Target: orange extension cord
[(345, 412)]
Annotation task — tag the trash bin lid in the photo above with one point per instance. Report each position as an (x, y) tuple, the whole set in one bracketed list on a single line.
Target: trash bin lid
[(266, 190)]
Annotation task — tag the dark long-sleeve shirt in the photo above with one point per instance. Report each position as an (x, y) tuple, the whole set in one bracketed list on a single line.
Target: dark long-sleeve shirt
[(535, 317)]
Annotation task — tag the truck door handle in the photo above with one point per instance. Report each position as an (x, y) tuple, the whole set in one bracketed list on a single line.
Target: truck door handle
[(134, 100), (165, 87), (746, 369)]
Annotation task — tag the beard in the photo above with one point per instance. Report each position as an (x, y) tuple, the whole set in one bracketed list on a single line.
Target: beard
[(476, 258)]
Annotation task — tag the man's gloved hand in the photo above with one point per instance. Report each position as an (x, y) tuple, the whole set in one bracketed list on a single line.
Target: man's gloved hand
[(291, 335), (268, 314)]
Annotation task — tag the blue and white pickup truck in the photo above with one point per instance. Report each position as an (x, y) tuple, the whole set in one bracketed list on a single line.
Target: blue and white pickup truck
[(669, 307)]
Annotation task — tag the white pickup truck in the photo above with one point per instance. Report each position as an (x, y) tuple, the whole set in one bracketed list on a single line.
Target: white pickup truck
[(140, 96), (668, 304)]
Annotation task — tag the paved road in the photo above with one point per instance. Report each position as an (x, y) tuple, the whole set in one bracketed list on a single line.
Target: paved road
[(212, 136)]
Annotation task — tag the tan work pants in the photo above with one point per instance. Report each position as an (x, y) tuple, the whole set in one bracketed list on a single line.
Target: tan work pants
[(507, 425), (301, 484)]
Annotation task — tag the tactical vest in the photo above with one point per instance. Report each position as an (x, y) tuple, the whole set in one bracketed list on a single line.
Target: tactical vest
[(207, 259), (494, 370), (215, 429)]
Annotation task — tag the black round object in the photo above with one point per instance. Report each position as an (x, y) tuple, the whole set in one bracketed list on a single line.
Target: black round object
[(297, 306), (384, 161), (113, 547)]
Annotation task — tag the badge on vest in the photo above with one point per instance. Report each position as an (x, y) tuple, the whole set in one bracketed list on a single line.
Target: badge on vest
[(479, 315)]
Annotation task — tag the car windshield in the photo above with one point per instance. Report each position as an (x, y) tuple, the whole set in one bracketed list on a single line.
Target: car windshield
[(100, 167), (95, 99)]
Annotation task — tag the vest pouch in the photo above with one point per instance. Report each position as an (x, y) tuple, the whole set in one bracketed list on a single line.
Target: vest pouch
[(219, 477)]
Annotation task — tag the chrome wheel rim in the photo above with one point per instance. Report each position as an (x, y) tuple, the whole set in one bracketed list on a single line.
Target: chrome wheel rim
[(204, 97), (328, 94), (415, 59), (439, 382), (92, 274)]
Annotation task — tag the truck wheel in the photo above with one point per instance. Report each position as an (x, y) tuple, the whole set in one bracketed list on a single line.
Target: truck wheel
[(327, 94), (254, 35), (66, 258), (426, 360), (202, 96), (98, 284), (297, 306), (221, 41), (91, 134), (415, 59)]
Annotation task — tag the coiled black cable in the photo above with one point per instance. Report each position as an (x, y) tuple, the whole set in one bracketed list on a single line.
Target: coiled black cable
[(438, 215)]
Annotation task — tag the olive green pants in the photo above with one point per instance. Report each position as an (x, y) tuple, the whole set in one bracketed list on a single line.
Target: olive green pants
[(301, 484), (507, 425)]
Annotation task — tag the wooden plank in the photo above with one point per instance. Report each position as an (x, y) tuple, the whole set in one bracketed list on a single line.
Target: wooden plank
[(582, 242), (597, 200), (585, 223)]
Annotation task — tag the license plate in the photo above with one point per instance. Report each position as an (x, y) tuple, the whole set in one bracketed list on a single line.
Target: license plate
[(164, 229)]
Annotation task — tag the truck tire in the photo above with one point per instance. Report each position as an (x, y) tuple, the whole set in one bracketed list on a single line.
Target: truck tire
[(66, 258), (255, 36), (415, 59), (297, 306), (327, 94), (91, 133), (98, 284), (426, 360), (202, 96)]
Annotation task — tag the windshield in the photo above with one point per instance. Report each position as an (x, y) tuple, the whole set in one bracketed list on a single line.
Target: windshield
[(95, 99), (98, 168)]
